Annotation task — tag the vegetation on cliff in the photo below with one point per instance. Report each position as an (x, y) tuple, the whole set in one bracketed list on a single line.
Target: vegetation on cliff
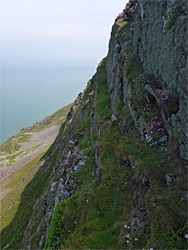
[(21, 159), (129, 200), (115, 177)]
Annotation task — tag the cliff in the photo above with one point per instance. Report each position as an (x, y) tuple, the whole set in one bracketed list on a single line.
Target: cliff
[(116, 173)]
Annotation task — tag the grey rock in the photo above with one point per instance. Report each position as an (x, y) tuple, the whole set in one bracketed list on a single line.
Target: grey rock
[(170, 180), (145, 181), (163, 140), (76, 168), (113, 118), (136, 224), (65, 195), (186, 134), (71, 142), (53, 186), (81, 163)]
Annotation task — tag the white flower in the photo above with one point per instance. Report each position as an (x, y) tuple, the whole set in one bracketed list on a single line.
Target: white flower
[(86, 200), (186, 236), (128, 236), (125, 226), (127, 241), (135, 239)]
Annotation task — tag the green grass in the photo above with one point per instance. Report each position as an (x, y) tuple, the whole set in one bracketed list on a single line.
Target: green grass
[(20, 201), (88, 90), (56, 230), (59, 117), (95, 217), (22, 137), (13, 197), (133, 69), (11, 158), (86, 175), (60, 113), (83, 126), (123, 31), (11, 146)]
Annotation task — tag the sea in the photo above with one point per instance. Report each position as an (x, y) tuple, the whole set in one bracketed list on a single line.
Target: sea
[(31, 95)]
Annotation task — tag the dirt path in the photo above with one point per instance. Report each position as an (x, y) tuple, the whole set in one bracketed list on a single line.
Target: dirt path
[(45, 138), (5, 183), (40, 139), (3, 193), (5, 172)]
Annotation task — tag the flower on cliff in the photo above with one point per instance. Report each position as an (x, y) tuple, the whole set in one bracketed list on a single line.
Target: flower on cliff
[(90, 191), (169, 157)]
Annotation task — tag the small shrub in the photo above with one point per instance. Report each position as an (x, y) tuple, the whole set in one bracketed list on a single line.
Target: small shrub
[(56, 230)]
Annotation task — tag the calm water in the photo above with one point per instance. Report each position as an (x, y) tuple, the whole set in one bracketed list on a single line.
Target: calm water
[(28, 97)]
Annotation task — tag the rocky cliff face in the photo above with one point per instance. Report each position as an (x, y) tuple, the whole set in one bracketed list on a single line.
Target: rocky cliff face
[(158, 34), (118, 166)]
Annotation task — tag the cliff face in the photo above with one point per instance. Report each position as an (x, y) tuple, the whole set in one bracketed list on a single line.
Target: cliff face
[(158, 33), (117, 168)]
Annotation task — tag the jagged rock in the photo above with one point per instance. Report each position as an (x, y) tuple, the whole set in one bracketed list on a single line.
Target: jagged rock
[(113, 118), (81, 163), (170, 180), (76, 168), (136, 224), (65, 195), (140, 222), (71, 142), (53, 186), (145, 181), (41, 243), (164, 140)]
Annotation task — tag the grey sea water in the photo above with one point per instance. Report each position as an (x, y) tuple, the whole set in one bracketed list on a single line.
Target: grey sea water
[(29, 96)]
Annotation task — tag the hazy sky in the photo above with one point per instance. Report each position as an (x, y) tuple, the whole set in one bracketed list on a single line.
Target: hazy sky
[(49, 50), (47, 33)]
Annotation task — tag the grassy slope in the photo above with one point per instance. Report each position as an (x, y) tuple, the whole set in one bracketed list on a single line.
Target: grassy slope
[(99, 216), (17, 205), (18, 181), (26, 197), (10, 148)]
